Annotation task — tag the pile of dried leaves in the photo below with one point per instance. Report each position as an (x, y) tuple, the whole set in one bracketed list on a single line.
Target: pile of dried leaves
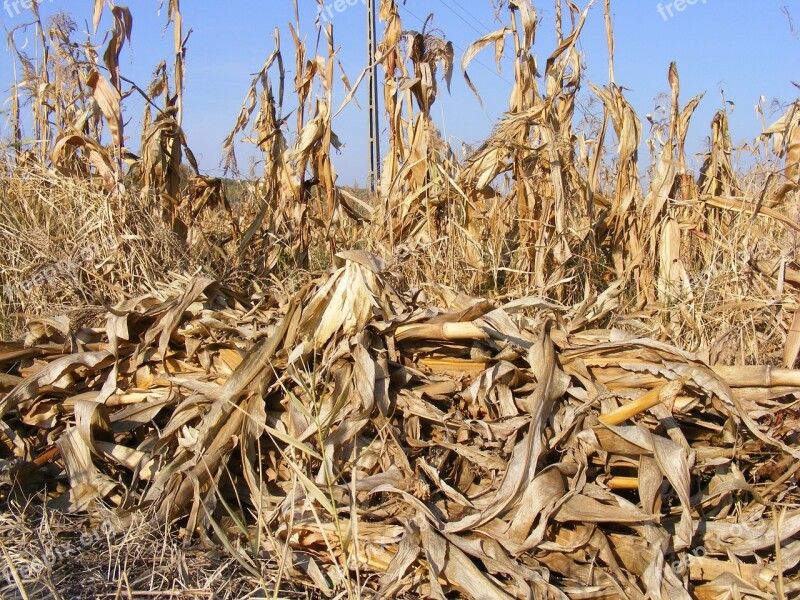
[(366, 440)]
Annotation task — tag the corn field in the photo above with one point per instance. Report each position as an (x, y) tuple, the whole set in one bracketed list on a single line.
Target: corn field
[(543, 369)]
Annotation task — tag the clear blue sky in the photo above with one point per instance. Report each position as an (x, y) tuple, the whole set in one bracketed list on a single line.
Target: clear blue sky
[(745, 48)]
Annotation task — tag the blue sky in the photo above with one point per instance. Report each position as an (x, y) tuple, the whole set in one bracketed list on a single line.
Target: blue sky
[(742, 48)]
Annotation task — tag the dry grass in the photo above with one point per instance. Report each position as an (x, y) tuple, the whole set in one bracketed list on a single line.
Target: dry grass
[(61, 557), (530, 373), (68, 246)]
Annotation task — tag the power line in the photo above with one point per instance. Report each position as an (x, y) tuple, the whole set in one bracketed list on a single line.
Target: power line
[(460, 16), (492, 71)]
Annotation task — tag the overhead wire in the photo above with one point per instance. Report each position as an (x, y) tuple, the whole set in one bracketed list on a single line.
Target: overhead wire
[(481, 64), (461, 17)]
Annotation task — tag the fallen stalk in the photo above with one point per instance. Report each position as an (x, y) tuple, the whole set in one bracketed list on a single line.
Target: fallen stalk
[(664, 393), (623, 483)]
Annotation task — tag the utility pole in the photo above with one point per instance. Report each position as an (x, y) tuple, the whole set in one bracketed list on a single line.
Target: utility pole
[(372, 80)]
